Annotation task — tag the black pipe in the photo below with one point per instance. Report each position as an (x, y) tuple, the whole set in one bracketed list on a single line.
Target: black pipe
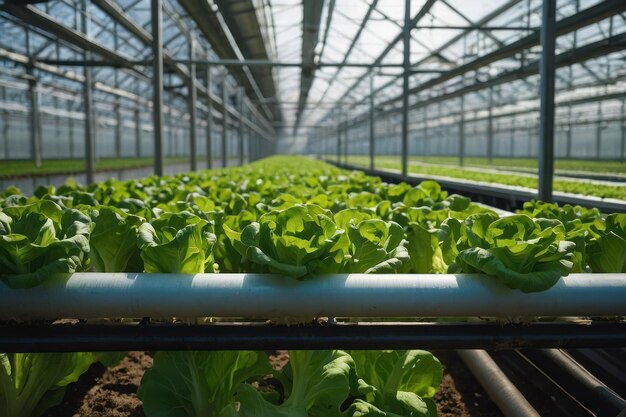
[(261, 336)]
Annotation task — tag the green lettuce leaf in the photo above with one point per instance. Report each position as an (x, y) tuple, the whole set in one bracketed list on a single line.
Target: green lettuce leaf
[(394, 383), (177, 243), (198, 384), (113, 241), (41, 240)]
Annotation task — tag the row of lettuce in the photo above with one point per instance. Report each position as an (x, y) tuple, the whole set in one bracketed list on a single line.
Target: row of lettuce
[(299, 218), (295, 217)]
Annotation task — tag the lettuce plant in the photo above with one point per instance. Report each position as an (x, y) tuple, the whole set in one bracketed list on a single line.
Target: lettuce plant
[(42, 240), (315, 384), (177, 243), (297, 241), (376, 247), (113, 241), (30, 383), (198, 384), (607, 252), (525, 254), (395, 383)]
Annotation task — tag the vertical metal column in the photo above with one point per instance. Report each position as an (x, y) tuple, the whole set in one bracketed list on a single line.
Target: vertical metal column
[(209, 119), (35, 116), (623, 138), (5, 127), (88, 102), (346, 136), (240, 98), (513, 137), (568, 133), (462, 132), (426, 146), (224, 122), (193, 98), (137, 132), (372, 125), (35, 119), (599, 131), (118, 115), (490, 128), (546, 121), (70, 129), (157, 83), (339, 140), (406, 32)]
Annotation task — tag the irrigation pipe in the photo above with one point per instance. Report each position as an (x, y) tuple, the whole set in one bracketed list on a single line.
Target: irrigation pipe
[(97, 295), (500, 389)]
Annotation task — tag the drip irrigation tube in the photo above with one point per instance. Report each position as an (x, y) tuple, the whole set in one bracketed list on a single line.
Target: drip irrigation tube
[(500, 389), (260, 336), (602, 398), (97, 295)]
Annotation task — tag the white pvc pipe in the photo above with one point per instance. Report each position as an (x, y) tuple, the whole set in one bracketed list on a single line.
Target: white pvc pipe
[(97, 295)]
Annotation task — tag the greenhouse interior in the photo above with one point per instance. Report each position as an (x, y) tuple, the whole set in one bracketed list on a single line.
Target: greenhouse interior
[(312, 208)]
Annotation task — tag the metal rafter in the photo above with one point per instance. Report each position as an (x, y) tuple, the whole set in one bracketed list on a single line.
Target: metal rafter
[(311, 18)]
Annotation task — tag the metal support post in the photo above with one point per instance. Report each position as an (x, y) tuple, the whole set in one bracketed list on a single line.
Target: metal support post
[(137, 132), (240, 97), (339, 140), (70, 130), (546, 124), (5, 127), (426, 146), (118, 116), (209, 119), (118, 129), (35, 119), (88, 104), (346, 136), (568, 133), (193, 97), (157, 83), (224, 121), (462, 132), (599, 131), (406, 32), (513, 137), (623, 138), (372, 124), (490, 128)]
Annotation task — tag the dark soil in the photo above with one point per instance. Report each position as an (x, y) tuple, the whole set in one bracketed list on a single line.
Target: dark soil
[(102, 392)]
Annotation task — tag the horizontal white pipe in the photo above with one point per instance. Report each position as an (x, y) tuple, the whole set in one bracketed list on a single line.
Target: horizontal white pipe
[(97, 295)]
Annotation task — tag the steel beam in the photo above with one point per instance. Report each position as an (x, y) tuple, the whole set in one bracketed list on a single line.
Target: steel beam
[(585, 18), (157, 83), (209, 119), (490, 128), (312, 15), (88, 103), (193, 98), (372, 132), (261, 336), (35, 119), (623, 131), (406, 32), (599, 132), (240, 141), (224, 122), (546, 109), (462, 132), (137, 115), (423, 12)]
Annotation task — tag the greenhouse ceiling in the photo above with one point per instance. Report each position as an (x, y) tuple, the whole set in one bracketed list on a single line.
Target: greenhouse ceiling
[(315, 63)]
